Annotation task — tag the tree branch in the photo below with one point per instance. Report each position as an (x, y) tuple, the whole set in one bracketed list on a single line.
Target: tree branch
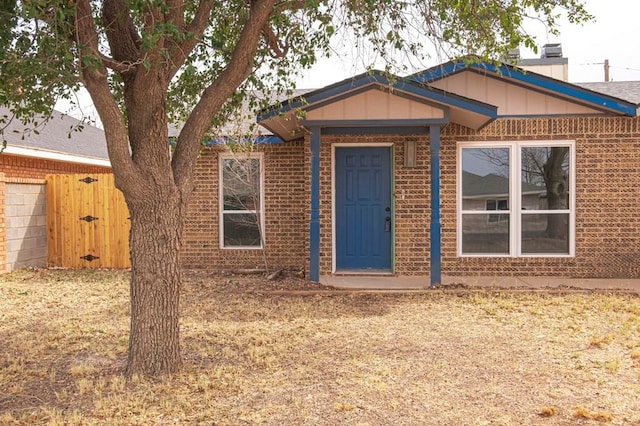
[(94, 78), (239, 68), (193, 33), (201, 19), (175, 13), (153, 16), (120, 67), (280, 51), (123, 37), (290, 5)]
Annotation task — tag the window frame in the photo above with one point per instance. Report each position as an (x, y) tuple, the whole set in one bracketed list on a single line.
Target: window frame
[(515, 211), (222, 212)]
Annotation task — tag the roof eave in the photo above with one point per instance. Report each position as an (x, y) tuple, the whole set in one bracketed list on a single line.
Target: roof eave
[(579, 94), (55, 156), (363, 82)]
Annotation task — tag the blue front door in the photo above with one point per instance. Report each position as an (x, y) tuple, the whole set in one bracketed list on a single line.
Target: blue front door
[(363, 208)]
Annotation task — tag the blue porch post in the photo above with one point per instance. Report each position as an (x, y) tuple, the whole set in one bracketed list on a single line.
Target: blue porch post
[(314, 226), (435, 228)]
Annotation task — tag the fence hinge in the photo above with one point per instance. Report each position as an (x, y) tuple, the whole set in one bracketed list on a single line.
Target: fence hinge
[(89, 257), (88, 179), (89, 218)]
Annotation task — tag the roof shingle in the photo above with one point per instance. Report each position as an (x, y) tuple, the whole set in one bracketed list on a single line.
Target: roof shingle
[(57, 135)]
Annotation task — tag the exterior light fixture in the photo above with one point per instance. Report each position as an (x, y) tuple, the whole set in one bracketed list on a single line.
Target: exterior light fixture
[(410, 153)]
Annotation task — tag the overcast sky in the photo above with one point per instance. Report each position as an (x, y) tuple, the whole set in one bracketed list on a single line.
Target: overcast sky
[(613, 36)]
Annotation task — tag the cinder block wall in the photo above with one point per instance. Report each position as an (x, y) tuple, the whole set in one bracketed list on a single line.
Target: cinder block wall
[(26, 224)]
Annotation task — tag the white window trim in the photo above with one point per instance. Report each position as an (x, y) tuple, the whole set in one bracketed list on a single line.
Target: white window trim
[(514, 210), (227, 156)]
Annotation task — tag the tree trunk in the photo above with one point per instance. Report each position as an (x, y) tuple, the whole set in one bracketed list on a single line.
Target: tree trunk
[(157, 222)]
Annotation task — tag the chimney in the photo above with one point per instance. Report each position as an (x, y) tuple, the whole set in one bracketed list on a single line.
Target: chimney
[(551, 62)]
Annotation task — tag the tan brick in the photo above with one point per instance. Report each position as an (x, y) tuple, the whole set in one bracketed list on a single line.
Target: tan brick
[(607, 220)]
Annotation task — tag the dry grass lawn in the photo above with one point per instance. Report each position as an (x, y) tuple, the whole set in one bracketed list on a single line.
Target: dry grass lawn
[(260, 358)]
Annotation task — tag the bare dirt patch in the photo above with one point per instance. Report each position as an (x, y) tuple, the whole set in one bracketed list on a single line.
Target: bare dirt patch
[(255, 357)]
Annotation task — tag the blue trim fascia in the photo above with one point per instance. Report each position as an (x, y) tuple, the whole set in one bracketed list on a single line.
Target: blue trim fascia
[(269, 140), (435, 228), (394, 130), (314, 223), (319, 95), (439, 72), (258, 140), (398, 92), (377, 123), (377, 127), (529, 78), (519, 116), (358, 83)]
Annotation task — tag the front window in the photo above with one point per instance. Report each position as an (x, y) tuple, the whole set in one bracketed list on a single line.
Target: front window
[(241, 201), (530, 184)]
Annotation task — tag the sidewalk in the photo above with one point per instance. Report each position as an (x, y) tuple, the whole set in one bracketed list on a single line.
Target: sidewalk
[(351, 282)]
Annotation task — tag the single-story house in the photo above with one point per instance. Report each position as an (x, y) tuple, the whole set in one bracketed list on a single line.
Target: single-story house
[(29, 156), (377, 175)]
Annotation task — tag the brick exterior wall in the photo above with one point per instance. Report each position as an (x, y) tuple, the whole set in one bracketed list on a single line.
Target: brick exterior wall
[(285, 226), (607, 237), (607, 177), (15, 166)]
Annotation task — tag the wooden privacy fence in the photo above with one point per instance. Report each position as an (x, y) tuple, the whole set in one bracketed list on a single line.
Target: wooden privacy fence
[(88, 222)]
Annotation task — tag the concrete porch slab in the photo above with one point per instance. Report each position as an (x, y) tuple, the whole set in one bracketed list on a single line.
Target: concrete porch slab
[(373, 282)]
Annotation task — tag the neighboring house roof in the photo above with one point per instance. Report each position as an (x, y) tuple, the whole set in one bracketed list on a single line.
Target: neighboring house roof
[(56, 140), (244, 123), (475, 186), (627, 90)]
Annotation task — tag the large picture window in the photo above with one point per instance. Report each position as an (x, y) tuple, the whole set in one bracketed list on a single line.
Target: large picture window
[(531, 184), (241, 201)]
